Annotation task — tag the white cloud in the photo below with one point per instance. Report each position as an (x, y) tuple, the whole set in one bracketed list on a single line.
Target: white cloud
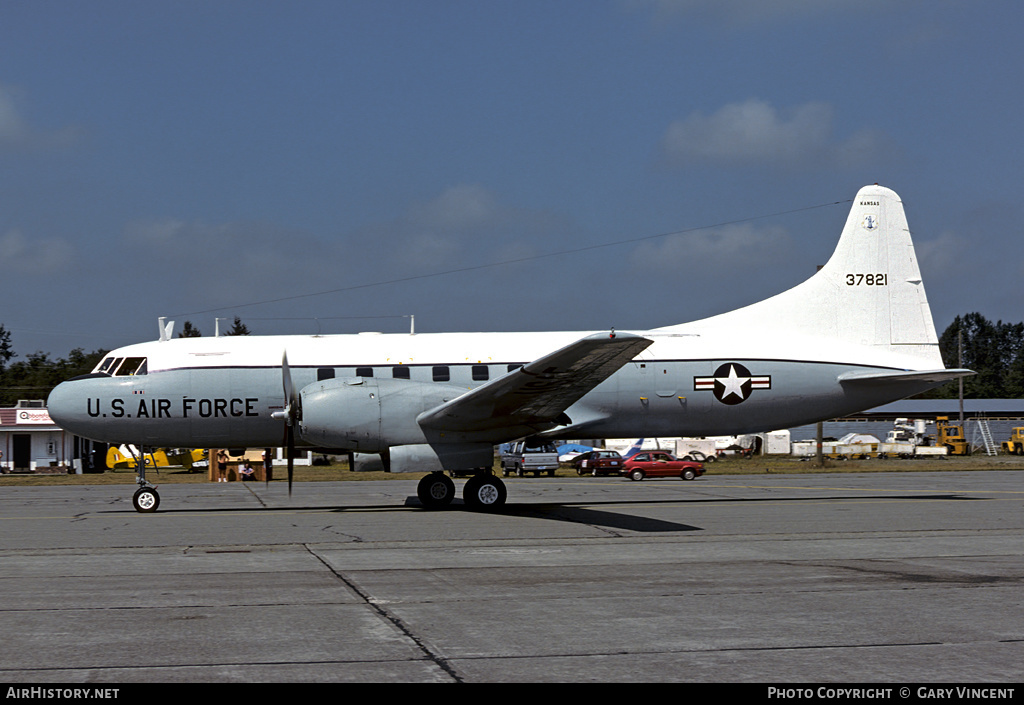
[(226, 263), (459, 207), (730, 249), (239, 263), (11, 125), (755, 132), (38, 256), (16, 132)]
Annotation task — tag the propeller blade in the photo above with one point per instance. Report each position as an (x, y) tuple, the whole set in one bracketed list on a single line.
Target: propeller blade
[(291, 414), (290, 398)]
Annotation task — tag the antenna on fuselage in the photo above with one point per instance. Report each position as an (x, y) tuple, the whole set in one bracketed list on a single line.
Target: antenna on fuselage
[(166, 330)]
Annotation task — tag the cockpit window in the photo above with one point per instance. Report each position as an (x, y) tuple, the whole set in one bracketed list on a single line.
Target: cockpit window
[(132, 366), (106, 365)]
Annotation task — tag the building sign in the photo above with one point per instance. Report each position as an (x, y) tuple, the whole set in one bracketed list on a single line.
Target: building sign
[(33, 416)]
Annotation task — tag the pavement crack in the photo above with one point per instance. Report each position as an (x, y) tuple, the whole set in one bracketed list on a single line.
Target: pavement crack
[(378, 606)]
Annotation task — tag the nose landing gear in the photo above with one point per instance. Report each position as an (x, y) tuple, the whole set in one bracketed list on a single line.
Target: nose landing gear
[(146, 499)]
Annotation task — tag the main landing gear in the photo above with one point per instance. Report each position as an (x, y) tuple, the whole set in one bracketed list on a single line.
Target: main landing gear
[(482, 491)]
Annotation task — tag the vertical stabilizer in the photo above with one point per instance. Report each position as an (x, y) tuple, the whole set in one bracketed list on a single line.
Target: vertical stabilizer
[(869, 293)]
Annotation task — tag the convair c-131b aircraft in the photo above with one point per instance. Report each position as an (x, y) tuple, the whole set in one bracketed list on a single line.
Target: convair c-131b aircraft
[(856, 335)]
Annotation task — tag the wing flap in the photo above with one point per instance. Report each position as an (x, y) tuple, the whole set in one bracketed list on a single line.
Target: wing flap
[(537, 394)]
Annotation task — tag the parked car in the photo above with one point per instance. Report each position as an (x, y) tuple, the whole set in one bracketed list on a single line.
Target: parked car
[(531, 455), (658, 463), (598, 462)]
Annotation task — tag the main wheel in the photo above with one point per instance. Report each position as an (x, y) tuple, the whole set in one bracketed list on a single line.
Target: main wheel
[(484, 492), (435, 490), (145, 500)]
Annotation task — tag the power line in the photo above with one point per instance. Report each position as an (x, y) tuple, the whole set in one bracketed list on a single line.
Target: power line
[(516, 260)]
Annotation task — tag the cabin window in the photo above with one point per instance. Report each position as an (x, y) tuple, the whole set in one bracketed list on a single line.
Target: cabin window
[(324, 373), (480, 373), (400, 372), (441, 373), (131, 367), (364, 372)]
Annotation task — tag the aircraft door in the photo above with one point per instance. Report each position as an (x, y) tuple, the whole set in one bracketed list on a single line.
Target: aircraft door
[(667, 401)]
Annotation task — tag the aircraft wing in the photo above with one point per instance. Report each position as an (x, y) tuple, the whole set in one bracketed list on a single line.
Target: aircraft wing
[(536, 395), (897, 376)]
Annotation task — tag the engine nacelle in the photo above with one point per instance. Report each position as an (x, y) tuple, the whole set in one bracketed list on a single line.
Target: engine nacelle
[(368, 414)]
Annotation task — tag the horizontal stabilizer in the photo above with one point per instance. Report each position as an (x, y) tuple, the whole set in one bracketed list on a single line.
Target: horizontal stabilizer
[(901, 376), (537, 394)]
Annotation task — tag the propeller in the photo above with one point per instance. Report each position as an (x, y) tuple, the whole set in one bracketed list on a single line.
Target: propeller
[(290, 415)]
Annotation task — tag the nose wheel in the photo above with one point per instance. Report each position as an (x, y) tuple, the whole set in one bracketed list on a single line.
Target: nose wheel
[(146, 500)]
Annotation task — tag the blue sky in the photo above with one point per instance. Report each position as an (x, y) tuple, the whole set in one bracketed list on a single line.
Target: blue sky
[(335, 165)]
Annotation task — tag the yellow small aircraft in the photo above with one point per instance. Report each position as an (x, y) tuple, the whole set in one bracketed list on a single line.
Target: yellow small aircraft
[(124, 457)]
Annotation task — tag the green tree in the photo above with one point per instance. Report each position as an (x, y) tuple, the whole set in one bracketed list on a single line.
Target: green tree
[(6, 351), (994, 351), (189, 331), (37, 375), (238, 328)]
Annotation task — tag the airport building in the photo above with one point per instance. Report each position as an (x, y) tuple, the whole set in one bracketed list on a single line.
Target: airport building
[(31, 442)]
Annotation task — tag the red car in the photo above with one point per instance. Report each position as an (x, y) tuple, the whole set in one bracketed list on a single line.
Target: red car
[(658, 463), (598, 462)]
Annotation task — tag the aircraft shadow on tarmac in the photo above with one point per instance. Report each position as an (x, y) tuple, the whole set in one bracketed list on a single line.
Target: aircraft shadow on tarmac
[(585, 513), (569, 512)]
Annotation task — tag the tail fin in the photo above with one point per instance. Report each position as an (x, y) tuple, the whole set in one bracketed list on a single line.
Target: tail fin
[(634, 449), (869, 293)]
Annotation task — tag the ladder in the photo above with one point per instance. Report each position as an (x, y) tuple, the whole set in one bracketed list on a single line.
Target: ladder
[(986, 436)]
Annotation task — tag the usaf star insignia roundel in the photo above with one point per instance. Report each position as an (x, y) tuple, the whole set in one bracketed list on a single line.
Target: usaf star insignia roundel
[(732, 383)]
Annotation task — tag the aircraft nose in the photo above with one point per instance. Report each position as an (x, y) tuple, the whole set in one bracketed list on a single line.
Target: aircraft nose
[(66, 407)]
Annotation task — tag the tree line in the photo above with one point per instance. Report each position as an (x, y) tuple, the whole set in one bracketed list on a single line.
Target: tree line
[(36, 375), (995, 351)]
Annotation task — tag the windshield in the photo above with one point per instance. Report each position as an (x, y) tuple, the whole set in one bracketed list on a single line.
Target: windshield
[(131, 366), (122, 366)]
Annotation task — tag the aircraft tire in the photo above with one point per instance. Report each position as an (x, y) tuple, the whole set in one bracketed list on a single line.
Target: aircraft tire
[(145, 500), (435, 490), (484, 492)]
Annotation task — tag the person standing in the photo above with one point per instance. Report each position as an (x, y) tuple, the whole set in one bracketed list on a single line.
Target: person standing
[(222, 466)]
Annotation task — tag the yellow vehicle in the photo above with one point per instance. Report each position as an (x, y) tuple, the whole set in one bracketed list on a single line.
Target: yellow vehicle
[(951, 435), (1015, 446), (123, 458)]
